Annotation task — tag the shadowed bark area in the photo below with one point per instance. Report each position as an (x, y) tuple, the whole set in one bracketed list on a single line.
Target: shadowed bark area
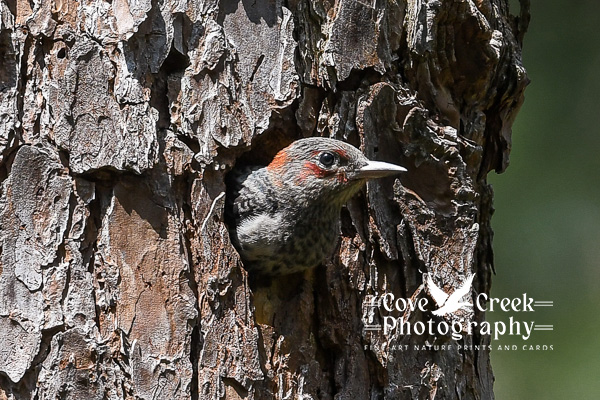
[(119, 122)]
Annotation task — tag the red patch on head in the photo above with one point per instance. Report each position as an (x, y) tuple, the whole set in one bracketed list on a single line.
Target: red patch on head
[(278, 162), (276, 167), (311, 168)]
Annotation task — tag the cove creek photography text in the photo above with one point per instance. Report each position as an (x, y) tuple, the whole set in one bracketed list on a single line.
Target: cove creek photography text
[(394, 312)]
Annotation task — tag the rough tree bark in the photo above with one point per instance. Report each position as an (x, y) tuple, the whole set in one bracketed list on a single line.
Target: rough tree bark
[(118, 123)]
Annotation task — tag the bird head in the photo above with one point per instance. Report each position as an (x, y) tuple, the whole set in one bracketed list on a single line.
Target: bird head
[(326, 169)]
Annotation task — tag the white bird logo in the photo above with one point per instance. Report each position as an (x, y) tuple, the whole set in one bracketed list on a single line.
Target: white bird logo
[(449, 303)]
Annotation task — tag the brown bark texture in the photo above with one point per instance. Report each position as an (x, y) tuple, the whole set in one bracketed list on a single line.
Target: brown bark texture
[(119, 121)]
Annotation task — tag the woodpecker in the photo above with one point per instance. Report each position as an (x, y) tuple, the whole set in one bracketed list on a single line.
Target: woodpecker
[(285, 217)]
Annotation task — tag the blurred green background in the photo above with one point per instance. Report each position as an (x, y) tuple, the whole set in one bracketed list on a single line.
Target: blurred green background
[(547, 219)]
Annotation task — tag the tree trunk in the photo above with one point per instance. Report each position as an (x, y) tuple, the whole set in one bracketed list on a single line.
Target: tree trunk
[(119, 121)]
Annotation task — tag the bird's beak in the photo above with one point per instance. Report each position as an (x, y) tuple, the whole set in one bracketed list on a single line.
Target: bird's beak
[(377, 169)]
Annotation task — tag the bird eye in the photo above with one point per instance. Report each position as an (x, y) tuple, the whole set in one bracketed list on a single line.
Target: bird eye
[(327, 158)]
